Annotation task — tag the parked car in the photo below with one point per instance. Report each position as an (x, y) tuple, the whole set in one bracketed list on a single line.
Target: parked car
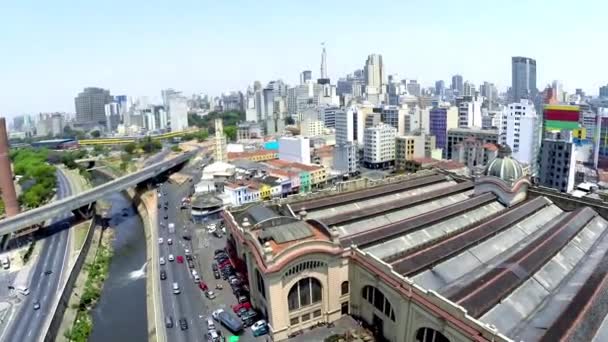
[(216, 314), (190, 263), (239, 306), (229, 321), (214, 267), (259, 328), (180, 259), (249, 314), (163, 274), (203, 286), (213, 336), (243, 299), (169, 322), (216, 274), (210, 295)]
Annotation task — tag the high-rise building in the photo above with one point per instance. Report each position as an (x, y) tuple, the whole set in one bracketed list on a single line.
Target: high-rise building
[(374, 74), (305, 76), (413, 88), (233, 101), (379, 146), (219, 139), (457, 84), (474, 153), (440, 88), (468, 89), (329, 116), (323, 62), (7, 186), (557, 164), (601, 154), (178, 113), (521, 130), (523, 78), (90, 107), (604, 91), (458, 135), (441, 119), (469, 113), (349, 129)]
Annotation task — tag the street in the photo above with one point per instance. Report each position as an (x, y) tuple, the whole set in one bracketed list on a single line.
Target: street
[(191, 303), (27, 323)]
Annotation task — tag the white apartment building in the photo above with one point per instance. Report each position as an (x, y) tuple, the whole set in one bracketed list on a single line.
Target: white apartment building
[(295, 149), (379, 146), (311, 128), (178, 113), (349, 132), (469, 113), (521, 131)]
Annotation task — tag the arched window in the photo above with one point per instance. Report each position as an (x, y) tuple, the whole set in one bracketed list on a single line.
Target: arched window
[(260, 283), (344, 288), (430, 335), (379, 301), (305, 292)]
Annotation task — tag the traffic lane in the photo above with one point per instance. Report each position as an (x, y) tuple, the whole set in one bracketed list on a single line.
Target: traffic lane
[(29, 320), (171, 304)]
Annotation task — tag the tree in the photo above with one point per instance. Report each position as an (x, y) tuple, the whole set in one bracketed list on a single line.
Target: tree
[(230, 132), (130, 147), (95, 134), (289, 121)]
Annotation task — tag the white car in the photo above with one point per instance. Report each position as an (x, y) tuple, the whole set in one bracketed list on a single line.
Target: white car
[(162, 261), (216, 314), (169, 241), (171, 258), (160, 241)]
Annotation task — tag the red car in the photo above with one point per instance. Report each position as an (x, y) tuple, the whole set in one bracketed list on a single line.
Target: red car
[(225, 263), (180, 259), (237, 307), (203, 286)]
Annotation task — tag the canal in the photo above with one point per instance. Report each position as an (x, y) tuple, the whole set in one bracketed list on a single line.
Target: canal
[(121, 314)]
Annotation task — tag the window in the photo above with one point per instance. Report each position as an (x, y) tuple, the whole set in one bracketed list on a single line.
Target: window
[(305, 292), (305, 317), (377, 299), (260, 283), (316, 314), (344, 288), (294, 321), (430, 335), (344, 308)]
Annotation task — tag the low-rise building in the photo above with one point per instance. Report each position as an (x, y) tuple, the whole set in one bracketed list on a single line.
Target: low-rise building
[(256, 156), (294, 149), (379, 146), (408, 147), (473, 153)]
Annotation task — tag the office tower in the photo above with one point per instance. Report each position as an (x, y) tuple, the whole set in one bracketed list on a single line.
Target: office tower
[(558, 91), (219, 139), (442, 119), (458, 135), (379, 146), (166, 95), (233, 101), (523, 78), (7, 187), (413, 88), (469, 113), (112, 111), (374, 74), (468, 89), (18, 122), (490, 93), (178, 113), (249, 103), (604, 91), (305, 76), (329, 116), (557, 161), (521, 130), (90, 107), (349, 129), (323, 62), (457, 84), (440, 88)]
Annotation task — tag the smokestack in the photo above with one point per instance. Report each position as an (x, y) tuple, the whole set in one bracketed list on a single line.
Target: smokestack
[(6, 174)]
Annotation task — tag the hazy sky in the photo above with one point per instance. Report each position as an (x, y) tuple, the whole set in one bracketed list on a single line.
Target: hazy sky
[(50, 50)]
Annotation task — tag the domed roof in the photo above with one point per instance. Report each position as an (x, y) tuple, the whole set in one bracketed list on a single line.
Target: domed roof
[(504, 167)]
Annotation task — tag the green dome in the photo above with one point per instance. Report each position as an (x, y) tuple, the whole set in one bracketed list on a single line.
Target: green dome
[(504, 167)]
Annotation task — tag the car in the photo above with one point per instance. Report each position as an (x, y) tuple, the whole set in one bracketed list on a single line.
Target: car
[(162, 260), (166, 202), (259, 328), (166, 217), (169, 241), (190, 263), (240, 306), (243, 299), (183, 324), (48, 272), (180, 259), (36, 305), (169, 322), (213, 336), (160, 241), (163, 274), (171, 257), (218, 251), (187, 237), (214, 266), (216, 314), (248, 314), (216, 274), (241, 312), (210, 324), (187, 253), (158, 206), (210, 295), (203, 286)]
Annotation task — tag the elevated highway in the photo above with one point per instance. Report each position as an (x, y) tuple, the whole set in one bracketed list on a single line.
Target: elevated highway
[(80, 204)]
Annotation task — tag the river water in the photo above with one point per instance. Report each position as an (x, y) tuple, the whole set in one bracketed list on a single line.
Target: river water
[(121, 314)]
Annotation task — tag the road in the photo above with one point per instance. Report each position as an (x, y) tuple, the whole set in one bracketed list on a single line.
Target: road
[(191, 302), (27, 323)]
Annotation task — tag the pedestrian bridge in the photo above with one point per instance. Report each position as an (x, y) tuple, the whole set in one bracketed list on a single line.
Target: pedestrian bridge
[(81, 203)]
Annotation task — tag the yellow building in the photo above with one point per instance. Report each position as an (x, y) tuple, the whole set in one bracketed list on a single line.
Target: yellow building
[(318, 173), (408, 147), (256, 156)]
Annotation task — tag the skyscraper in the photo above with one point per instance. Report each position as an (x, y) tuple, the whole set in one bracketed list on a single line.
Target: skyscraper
[(523, 78), (457, 84), (439, 88), (90, 107), (374, 74), (522, 132), (178, 113), (323, 62), (305, 76), (604, 91)]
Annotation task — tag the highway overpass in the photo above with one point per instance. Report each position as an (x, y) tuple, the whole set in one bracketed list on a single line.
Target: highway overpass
[(83, 200)]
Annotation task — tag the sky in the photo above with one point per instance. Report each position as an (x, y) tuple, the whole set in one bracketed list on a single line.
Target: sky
[(51, 50)]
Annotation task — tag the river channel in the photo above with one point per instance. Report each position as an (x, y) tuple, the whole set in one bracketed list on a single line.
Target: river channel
[(120, 314)]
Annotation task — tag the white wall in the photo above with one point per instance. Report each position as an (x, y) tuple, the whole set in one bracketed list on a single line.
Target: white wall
[(294, 149)]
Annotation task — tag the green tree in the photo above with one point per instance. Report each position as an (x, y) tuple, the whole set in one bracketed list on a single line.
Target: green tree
[(130, 147), (95, 134), (230, 132)]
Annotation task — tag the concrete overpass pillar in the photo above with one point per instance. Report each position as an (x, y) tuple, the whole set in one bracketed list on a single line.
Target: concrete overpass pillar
[(84, 213)]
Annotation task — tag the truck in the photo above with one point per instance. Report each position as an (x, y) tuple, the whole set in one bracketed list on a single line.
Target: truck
[(230, 322)]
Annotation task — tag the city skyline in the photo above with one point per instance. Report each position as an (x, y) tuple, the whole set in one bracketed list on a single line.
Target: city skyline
[(56, 58)]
